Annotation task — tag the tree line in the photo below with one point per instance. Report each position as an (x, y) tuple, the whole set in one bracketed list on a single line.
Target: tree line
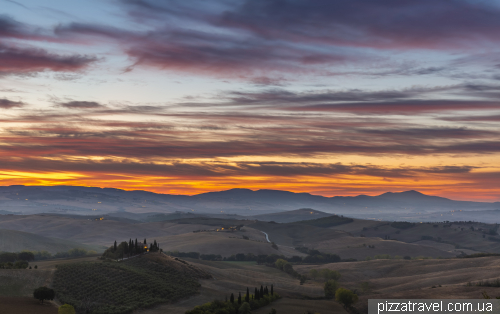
[(241, 304)]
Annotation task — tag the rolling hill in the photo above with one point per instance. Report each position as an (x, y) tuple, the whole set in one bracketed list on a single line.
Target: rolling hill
[(16, 241)]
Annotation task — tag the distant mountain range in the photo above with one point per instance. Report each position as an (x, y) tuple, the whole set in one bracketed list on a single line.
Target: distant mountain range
[(100, 201)]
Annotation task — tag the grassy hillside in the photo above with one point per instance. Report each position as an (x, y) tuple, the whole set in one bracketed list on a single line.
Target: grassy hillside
[(224, 244), (16, 241), (121, 287), (90, 231), (419, 279), (461, 236), (327, 222), (295, 234), (292, 216)]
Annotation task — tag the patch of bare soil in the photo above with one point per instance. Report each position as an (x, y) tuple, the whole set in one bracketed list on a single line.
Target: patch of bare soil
[(25, 305)]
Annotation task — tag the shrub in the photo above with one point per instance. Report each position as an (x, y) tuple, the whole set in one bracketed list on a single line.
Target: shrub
[(346, 297), (244, 308), (280, 263), (66, 309), (21, 264), (330, 287), (329, 274)]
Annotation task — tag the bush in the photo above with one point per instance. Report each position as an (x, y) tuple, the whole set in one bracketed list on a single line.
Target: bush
[(244, 308), (329, 274), (66, 309), (330, 288), (280, 263), (346, 297), (21, 264)]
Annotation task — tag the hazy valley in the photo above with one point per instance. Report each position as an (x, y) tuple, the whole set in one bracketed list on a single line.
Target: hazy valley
[(397, 258)]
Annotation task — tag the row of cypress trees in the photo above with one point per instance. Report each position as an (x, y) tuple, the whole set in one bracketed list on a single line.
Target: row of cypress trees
[(130, 248), (258, 294)]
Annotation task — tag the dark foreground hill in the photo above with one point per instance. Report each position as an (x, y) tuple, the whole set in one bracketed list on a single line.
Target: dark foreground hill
[(120, 287)]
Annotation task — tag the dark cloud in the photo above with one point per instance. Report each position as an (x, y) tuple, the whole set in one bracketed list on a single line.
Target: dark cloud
[(255, 39), (10, 28), (430, 133), (380, 24), (15, 60), (8, 104), (81, 105), (224, 169)]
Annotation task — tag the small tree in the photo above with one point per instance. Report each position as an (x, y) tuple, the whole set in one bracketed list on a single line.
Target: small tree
[(239, 298), (231, 299), (44, 293), (244, 308), (346, 297), (247, 296), (330, 288), (66, 309), (114, 247), (280, 263)]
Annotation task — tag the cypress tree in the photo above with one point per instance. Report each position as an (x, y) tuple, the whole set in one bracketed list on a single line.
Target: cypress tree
[(231, 298), (114, 247), (272, 292), (266, 291), (256, 294), (145, 241), (151, 248), (226, 298), (239, 298), (247, 297), (261, 291)]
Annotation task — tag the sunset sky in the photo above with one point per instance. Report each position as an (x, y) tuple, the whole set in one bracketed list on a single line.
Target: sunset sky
[(341, 97)]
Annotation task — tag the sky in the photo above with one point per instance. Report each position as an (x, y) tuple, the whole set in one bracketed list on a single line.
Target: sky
[(341, 97)]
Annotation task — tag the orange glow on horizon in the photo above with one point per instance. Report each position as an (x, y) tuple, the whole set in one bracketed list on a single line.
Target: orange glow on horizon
[(448, 186)]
